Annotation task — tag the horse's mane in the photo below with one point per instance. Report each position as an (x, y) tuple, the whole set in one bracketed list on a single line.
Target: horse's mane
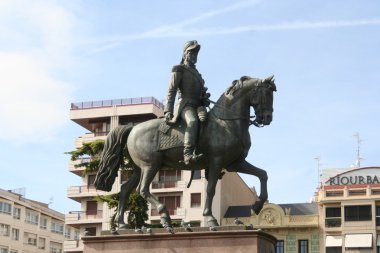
[(236, 85)]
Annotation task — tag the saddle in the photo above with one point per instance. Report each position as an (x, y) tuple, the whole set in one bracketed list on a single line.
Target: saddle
[(170, 136)]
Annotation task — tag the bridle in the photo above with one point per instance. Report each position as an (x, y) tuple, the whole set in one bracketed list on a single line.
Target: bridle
[(235, 116)]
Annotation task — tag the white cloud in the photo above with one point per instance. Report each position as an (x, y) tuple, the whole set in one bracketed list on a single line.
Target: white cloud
[(36, 44), (33, 104), (173, 30), (180, 29)]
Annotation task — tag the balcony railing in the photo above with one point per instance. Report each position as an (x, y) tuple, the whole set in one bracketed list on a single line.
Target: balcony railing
[(116, 102), (167, 184), (84, 215), (333, 222), (81, 189), (154, 212)]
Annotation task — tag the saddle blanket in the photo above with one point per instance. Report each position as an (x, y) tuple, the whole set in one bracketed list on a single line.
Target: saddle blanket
[(169, 137)]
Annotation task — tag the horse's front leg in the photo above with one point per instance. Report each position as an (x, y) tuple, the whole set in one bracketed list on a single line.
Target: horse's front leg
[(247, 168), (146, 179), (213, 175)]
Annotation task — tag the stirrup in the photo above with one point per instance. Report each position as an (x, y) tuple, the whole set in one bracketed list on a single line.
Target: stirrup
[(187, 159)]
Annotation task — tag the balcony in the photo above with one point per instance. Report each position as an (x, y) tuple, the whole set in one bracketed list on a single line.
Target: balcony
[(77, 193), (333, 222), (170, 182), (78, 170), (117, 102), (84, 217), (90, 137), (167, 184), (171, 211)]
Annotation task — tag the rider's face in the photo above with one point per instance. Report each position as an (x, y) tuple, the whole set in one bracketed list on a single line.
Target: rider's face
[(191, 56)]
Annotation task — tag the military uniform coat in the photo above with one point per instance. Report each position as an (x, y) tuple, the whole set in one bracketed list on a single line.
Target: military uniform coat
[(190, 87)]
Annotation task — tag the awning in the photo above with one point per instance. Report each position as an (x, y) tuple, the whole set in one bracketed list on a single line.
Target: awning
[(334, 241), (358, 241)]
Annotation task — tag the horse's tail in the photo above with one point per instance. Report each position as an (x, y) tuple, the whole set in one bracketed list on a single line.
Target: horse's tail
[(111, 157)]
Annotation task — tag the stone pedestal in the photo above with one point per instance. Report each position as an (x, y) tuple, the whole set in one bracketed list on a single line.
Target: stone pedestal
[(228, 241)]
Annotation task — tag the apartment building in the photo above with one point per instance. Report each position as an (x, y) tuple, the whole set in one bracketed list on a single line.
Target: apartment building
[(98, 118), (344, 216), (28, 226), (349, 208)]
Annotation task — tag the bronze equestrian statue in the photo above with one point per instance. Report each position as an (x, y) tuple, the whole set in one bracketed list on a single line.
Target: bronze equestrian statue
[(224, 143)]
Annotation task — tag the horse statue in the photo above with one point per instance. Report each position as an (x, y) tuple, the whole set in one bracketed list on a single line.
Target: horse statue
[(224, 140)]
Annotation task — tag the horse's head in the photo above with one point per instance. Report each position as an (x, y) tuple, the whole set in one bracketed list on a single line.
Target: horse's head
[(262, 100)]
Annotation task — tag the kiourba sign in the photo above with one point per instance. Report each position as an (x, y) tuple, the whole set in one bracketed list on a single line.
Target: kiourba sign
[(366, 175), (347, 180)]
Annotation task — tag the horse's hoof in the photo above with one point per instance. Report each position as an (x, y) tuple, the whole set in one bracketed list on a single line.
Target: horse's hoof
[(123, 226), (170, 230), (213, 223)]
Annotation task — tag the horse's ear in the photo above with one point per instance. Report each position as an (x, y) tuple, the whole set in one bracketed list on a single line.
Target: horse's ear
[(269, 79)]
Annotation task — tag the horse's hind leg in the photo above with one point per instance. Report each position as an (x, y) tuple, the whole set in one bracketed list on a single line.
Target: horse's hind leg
[(247, 168), (148, 174), (125, 191)]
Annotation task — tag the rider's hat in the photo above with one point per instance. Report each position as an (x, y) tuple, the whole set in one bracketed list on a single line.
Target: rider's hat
[(191, 45)]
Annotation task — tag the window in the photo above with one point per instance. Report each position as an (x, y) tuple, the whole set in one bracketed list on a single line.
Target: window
[(67, 233), (3, 249), (334, 250), (333, 217), (197, 174), (357, 213), (41, 243), (56, 227), (13, 251), (303, 246), (76, 235), (17, 213), (30, 238), (195, 200), (43, 223), (169, 175), (90, 231), (124, 176), (280, 246), (32, 218), (55, 247), (377, 215), (5, 208), (15, 234), (91, 181), (171, 203), (92, 208), (4, 229)]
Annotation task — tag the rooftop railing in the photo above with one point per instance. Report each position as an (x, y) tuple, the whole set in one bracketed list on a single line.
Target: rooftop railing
[(117, 102)]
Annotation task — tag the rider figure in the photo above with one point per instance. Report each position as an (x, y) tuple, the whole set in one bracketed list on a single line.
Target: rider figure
[(193, 98)]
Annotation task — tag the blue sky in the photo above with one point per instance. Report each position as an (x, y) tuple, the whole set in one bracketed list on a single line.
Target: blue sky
[(325, 56)]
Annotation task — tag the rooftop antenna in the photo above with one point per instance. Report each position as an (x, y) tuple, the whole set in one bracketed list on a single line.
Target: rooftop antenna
[(318, 158), (358, 157), (50, 201)]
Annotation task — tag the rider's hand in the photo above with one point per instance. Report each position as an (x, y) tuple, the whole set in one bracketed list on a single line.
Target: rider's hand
[(168, 116)]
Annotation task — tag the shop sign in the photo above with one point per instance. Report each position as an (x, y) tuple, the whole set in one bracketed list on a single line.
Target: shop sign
[(347, 180)]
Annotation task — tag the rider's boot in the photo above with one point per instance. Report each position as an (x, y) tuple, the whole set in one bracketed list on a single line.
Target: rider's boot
[(189, 156)]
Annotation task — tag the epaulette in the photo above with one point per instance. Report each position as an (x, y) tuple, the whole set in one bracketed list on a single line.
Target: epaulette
[(177, 68)]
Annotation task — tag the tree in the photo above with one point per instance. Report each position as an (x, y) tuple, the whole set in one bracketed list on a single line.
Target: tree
[(89, 157)]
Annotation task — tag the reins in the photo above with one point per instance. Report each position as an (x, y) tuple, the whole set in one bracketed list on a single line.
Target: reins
[(238, 117)]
